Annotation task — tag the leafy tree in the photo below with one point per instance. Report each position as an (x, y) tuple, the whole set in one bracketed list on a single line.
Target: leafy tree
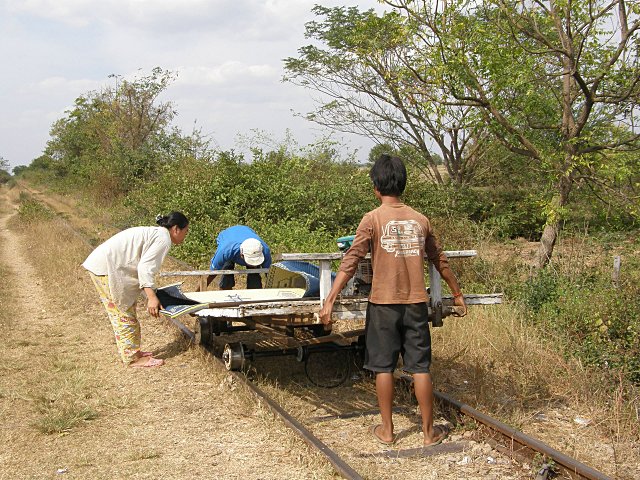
[(556, 82), (363, 70), (114, 138), (380, 149), (4, 170)]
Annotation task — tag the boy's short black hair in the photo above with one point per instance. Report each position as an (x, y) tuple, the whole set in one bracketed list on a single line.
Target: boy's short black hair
[(389, 175)]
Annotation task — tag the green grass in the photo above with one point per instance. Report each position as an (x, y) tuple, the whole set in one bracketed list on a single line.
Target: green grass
[(64, 403), (62, 420)]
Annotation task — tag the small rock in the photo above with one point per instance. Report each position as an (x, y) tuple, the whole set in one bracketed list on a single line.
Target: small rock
[(455, 438), (491, 460), (540, 417), (485, 448), (62, 470), (465, 460), (467, 434), (582, 421)]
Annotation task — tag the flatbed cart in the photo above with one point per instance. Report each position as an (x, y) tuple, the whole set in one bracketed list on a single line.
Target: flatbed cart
[(290, 326)]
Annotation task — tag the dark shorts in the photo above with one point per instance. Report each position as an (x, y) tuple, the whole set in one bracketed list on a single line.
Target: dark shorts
[(397, 329)]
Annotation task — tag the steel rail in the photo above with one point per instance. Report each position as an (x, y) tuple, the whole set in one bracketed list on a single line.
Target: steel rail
[(342, 467), (569, 464)]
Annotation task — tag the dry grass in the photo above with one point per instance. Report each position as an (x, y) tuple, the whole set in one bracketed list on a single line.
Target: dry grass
[(494, 362)]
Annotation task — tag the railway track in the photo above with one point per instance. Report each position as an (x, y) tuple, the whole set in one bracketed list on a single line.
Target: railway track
[(500, 436)]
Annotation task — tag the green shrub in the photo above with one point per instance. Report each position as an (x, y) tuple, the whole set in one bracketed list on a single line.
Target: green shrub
[(294, 203), (600, 322), (30, 210)]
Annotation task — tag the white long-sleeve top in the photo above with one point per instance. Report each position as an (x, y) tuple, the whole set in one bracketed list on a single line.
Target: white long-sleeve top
[(131, 259)]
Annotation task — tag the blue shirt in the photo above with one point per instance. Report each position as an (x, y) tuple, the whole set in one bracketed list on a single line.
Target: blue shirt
[(228, 250)]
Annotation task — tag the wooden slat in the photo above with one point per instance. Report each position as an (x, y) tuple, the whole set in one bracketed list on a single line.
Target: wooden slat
[(342, 309), (325, 279), (351, 309), (338, 256), (349, 335), (312, 257), (196, 273), (460, 253), (476, 299)]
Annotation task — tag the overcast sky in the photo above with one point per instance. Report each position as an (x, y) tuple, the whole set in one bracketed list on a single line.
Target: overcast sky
[(227, 54)]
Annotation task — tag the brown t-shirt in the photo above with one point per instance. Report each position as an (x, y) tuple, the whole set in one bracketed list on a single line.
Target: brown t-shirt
[(398, 238)]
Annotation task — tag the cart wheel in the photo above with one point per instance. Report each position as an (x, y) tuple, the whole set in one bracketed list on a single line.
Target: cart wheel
[(328, 369), (233, 356), (358, 353), (301, 354), (204, 332)]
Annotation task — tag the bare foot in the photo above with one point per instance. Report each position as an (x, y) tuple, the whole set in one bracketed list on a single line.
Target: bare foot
[(146, 362), (377, 432), (439, 434)]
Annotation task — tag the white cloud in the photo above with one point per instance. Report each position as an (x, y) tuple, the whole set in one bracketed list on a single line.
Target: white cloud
[(246, 18), (231, 71), (61, 86), (227, 53)]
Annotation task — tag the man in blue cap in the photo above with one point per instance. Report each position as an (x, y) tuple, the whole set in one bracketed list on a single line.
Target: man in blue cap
[(240, 245)]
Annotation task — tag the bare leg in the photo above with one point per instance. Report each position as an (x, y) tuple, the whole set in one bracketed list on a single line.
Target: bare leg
[(424, 395), (384, 391)]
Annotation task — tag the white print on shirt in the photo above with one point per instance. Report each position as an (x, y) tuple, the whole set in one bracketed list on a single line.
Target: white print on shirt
[(402, 237)]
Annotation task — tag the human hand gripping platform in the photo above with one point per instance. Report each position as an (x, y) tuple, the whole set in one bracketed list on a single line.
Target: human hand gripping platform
[(460, 307)]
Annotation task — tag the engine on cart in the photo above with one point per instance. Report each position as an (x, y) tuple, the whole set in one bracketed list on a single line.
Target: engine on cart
[(360, 284)]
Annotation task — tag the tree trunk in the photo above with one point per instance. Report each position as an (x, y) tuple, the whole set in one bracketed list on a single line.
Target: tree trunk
[(552, 228), (547, 242)]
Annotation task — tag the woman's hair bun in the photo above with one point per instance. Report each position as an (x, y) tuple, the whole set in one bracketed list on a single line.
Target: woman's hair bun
[(174, 218)]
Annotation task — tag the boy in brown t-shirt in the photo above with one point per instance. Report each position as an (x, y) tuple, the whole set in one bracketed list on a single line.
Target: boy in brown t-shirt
[(398, 238)]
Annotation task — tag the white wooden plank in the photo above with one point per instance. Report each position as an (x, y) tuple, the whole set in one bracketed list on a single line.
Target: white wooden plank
[(435, 285), (325, 279), (460, 253), (195, 273), (476, 299), (312, 257)]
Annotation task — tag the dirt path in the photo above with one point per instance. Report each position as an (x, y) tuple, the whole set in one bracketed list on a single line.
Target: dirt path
[(69, 408)]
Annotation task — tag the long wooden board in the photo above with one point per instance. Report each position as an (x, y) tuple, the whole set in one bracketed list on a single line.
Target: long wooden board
[(245, 295)]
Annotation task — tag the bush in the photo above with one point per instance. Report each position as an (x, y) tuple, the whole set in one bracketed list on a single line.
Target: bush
[(600, 322), (294, 203), (30, 210)]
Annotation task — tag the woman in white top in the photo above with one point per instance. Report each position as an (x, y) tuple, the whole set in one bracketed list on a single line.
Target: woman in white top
[(123, 266)]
